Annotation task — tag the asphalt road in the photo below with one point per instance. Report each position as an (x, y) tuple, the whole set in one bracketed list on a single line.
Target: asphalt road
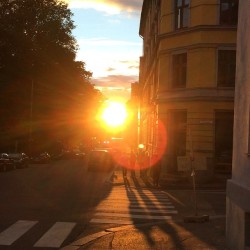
[(44, 197)]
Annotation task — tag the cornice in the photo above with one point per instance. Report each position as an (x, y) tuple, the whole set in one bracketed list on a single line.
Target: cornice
[(197, 28), (197, 94)]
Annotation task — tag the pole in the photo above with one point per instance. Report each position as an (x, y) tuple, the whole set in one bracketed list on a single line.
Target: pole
[(195, 218), (31, 115), (193, 169), (194, 190)]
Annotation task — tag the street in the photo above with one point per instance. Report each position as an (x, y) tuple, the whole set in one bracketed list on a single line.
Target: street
[(57, 195), (135, 216), (52, 205)]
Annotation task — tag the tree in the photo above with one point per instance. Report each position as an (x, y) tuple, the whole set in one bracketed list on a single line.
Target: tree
[(38, 67)]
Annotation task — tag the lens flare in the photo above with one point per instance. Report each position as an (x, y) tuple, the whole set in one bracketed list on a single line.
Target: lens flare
[(143, 159), (114, 114)]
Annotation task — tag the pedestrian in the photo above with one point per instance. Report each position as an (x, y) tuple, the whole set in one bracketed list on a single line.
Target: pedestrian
[(124, 162), (141, 162), (146, 164), (132, 163), (156, 170)]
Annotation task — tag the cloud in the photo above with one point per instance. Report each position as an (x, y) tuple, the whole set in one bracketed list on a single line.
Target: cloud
[(116, 94), (110, 69), (134, 67), (108, 6), (99, 41), (115, 87), (125, 62), (115, 81), (132, 64)]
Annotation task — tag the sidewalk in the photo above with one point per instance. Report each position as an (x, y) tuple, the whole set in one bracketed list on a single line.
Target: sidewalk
[(171, 182), (168, 234)]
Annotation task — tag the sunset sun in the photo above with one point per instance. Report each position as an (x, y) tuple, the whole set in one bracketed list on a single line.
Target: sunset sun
[(114, 114)]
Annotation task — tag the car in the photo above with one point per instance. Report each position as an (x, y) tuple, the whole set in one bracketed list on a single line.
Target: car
[(100, 160), (72, 154), (21, 160), (41, 158), (5, 162)]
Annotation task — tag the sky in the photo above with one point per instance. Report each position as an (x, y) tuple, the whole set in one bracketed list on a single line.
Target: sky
[(107, 33)]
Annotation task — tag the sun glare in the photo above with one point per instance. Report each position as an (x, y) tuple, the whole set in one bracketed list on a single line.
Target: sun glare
[(114, 114)]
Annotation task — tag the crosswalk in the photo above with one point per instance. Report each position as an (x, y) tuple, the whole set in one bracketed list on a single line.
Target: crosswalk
[(121, 207), (52, 238), (133, 206)]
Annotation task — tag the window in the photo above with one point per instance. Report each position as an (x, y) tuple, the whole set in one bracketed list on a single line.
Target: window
[(179, 70), (229, 12), (181, 13), (226, 68)]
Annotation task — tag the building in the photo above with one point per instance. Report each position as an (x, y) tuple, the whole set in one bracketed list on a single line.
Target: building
[(238, 188), (187, 79)]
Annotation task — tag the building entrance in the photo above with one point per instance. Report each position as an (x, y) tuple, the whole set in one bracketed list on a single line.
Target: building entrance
[(223, 141), (177, 135)]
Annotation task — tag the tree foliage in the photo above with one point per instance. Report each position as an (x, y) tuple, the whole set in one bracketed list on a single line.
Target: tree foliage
[(42, 87)]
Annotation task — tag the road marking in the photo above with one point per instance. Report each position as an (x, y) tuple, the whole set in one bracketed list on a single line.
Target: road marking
[(56, 235), (139, 203), (139, 195), (124, 207), (15, 231), (137, 199), (136, 192), (129, 206), (107, 221), (137, 216), (155, 206), (139, 210)]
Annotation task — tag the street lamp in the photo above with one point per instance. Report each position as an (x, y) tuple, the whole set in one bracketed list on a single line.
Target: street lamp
[(31, 115)]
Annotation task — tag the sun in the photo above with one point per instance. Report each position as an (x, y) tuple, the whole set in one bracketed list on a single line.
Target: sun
[(114, 114)]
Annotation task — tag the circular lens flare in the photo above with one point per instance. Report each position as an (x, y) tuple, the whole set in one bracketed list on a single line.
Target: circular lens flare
[(142, 159)]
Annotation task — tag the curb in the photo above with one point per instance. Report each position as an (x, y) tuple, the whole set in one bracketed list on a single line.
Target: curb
[(85, 240)]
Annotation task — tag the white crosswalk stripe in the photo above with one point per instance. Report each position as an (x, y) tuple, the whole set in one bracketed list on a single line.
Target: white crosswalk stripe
[(56, 235), (53, 238), (139, 202), (133, 216), (15, 231), (143, 210), (138, 199), (122, 207)]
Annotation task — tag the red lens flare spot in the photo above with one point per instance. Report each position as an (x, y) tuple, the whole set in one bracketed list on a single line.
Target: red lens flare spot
[(143, 159)]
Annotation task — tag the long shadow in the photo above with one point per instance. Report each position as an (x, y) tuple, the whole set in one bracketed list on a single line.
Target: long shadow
[(139, 199), (216, 228), (97, 188)]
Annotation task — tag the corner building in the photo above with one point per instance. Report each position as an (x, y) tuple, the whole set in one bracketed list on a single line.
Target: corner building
[(187, 80), (238, 188)]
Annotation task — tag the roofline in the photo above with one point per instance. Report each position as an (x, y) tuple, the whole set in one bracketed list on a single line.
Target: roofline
[(143, 16)]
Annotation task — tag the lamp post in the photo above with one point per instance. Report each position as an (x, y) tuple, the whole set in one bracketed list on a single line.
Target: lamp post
[(31, 115)]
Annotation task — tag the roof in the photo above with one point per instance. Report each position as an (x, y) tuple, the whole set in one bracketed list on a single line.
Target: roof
[(144, 12)]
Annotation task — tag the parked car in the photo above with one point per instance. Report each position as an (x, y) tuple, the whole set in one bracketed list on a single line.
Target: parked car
[(72, 154), (5, 162), (21, 160), (41, 158), (100, 160)]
